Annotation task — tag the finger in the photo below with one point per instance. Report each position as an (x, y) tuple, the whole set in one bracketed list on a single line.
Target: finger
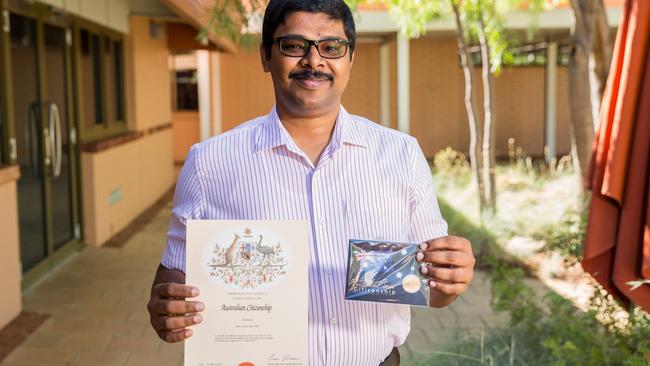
[(170, 323), (454, 289), (176, 290), (180, 307), (447, 243), (448, 258), (447, 275), (176, 335)]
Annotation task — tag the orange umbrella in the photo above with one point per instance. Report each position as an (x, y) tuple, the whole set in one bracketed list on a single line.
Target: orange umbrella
[(617, 245)]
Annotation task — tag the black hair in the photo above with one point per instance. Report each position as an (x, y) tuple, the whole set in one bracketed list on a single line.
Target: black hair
[(278, 10)]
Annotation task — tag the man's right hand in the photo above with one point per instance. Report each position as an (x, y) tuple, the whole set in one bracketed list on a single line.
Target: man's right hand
[(170, 313)]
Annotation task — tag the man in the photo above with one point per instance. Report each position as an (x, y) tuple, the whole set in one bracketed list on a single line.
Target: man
[(311, 160)]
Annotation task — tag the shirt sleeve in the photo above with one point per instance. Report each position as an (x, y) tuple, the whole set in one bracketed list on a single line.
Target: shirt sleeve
[(187, 206), (426, 221)]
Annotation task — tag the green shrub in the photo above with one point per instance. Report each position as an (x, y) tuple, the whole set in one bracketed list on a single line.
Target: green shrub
[(566, 236), (548, 331)]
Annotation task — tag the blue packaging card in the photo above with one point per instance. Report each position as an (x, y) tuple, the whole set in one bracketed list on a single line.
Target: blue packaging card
[(382, 271)]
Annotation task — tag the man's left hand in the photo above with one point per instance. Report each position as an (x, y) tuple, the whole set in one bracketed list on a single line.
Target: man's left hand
[(450, 265)]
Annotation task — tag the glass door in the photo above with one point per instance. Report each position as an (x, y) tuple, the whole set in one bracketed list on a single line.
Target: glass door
[(41, 100), (29, 138), (56, 101)]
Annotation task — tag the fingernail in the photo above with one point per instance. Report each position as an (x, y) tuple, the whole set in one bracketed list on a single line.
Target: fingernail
[(197, 319), (424, 246), (199, 307), (194, 291), (188, 333), (424, 270), (419, 256), (432, 284)]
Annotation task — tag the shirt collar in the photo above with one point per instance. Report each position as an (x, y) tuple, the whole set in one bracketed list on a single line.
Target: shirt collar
[(273, 133)]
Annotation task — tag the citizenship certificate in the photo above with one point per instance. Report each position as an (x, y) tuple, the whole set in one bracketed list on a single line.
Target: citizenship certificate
[(253, 280)]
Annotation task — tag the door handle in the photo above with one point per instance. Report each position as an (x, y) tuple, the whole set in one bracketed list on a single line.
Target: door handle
[(55, 139), (31, 140)]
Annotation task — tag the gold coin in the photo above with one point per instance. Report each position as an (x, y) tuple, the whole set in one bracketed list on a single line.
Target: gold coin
[(411, 284)]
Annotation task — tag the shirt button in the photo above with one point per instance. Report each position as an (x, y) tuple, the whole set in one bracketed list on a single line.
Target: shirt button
[(333, 321), (321, 221)]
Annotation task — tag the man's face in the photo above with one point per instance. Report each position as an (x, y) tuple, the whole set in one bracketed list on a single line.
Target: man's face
[(294, 91)]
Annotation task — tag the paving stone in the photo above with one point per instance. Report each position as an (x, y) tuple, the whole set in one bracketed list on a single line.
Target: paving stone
[(132, 343), (148, 359), (40, 356), (106, 358)]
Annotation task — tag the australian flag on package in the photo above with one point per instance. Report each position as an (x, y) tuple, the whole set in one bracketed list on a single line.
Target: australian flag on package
[(383, 271)]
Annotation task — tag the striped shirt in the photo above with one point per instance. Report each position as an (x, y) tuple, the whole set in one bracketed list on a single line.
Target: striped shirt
[(371, 182)]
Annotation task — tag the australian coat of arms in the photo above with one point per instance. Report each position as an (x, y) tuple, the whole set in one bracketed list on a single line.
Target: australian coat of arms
[(247, 262)]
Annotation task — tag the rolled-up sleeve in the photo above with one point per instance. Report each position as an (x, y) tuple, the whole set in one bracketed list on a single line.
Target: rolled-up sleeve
[(426, 221), (187, 206)]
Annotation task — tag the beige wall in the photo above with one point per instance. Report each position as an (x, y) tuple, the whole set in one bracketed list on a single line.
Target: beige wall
[(140, 172), (150, 75), (246, 91), (362, 94), (10, 275), (438, 116), (185, 132)]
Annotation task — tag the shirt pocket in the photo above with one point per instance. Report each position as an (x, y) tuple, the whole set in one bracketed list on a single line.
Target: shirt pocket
[(377, 217)]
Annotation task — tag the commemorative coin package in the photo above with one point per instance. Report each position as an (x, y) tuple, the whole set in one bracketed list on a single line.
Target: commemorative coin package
[(382, 271)]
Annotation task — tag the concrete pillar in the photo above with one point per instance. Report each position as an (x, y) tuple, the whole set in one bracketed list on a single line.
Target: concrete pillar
[(215, 95), (205, 99), (550, 102), (384, 83), (403, 99)]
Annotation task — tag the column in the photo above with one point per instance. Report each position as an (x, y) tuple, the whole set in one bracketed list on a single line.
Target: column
[(384, 83), (403, 99), (205, 100), (550, 105)]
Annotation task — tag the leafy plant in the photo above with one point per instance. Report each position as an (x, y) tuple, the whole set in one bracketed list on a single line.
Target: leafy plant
[(566, 236)]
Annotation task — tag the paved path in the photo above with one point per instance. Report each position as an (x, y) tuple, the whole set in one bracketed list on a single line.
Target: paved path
[(96, 302)]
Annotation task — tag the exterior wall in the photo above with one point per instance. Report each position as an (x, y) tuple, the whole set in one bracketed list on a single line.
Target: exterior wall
[(110, 13), (362, 94), (185, 132), (438, 117), (10, 277), (120, 183), (247, 92), (150, 75), (437, 92)]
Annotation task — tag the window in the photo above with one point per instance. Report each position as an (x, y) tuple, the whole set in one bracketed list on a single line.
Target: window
[(187, 91), (91, 79), (114, 79), (100, 59), (525, 55)]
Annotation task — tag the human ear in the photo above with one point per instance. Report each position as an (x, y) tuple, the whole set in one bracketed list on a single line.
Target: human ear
[(265, 61)]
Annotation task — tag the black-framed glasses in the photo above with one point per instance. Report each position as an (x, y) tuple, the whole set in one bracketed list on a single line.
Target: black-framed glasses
[(293, 46)]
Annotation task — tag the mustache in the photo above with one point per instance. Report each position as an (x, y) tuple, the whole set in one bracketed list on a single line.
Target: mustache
[(308, 74)]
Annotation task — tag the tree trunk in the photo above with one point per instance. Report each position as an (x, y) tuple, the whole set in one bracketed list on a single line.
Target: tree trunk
[(489, 122), (602, 48), (474, 131), (582, 121)]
